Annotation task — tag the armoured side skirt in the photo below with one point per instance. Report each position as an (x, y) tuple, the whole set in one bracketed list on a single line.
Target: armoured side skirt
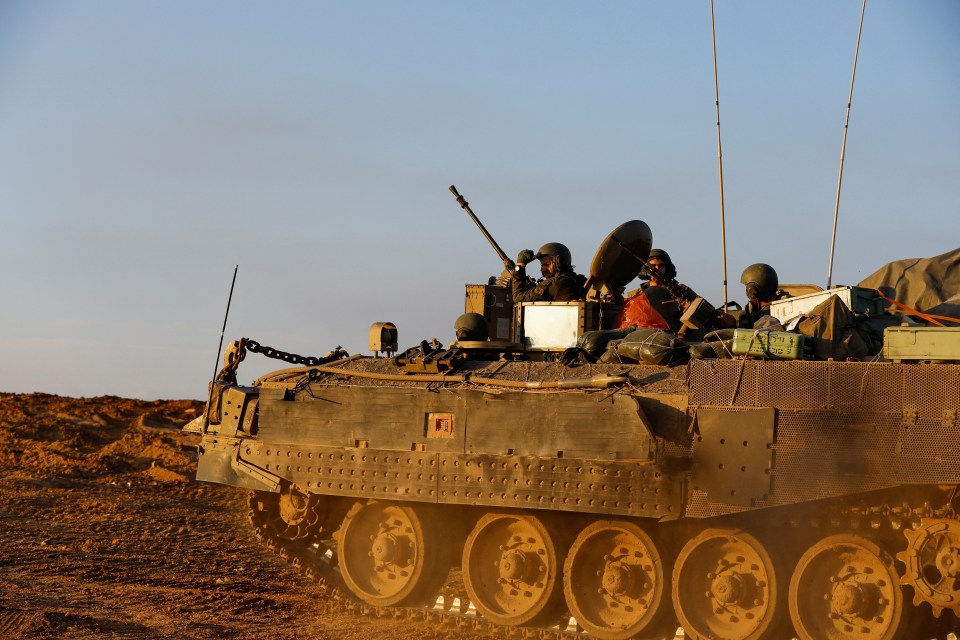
[(627, 488), (219, 462)]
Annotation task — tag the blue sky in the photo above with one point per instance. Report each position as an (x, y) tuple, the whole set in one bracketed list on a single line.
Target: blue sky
[(147, 148)]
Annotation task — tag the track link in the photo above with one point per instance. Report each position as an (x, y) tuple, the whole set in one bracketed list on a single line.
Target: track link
[(317, 561)]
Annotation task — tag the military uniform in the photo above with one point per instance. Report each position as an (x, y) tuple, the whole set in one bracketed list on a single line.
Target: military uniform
[(562, 287), (754, 310)]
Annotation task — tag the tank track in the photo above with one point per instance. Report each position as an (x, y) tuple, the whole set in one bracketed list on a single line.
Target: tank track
[(317, 562)]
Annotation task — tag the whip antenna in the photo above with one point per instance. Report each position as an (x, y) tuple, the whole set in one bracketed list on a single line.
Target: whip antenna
[(216, 367), (843, 147), (723, 223)]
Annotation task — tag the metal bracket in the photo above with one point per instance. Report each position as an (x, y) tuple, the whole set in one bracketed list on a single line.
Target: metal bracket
[(268, 481), (429, 358)]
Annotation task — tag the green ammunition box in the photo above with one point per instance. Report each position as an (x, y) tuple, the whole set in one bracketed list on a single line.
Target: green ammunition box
[(921, 343), (775, 345)]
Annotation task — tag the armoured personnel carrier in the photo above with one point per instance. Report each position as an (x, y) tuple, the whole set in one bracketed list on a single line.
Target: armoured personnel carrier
[(488, 484)]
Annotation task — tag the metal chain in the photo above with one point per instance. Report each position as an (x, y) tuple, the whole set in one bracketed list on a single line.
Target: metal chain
[(292, 358)]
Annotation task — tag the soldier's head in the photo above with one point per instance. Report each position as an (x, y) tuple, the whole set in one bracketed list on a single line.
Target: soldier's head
[(554, 258), (471, 326), (661, 262), (761, 282)]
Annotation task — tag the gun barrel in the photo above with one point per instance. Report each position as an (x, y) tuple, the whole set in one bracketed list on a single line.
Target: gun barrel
[(677, 290), (483, 230)]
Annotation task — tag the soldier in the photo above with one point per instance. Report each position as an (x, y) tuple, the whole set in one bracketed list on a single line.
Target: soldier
[(652, 305), (559, 283), (661, 262), (762, 288), (471, 327)]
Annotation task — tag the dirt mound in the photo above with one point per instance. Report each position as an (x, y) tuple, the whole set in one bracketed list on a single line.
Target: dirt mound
[(105, 436), (104, 533)]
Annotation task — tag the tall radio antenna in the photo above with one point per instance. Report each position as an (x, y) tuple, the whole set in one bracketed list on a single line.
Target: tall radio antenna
[(723, 223), (843, 147), (216, 367)]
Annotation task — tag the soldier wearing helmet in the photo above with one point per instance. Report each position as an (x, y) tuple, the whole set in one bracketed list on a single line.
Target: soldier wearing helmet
[(762, 288), (559, 283), (471, 327), (652, 305), (661, 263)]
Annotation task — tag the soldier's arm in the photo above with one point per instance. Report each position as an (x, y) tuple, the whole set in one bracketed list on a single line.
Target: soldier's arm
[(541, 292), (519, 286), (537, 294)]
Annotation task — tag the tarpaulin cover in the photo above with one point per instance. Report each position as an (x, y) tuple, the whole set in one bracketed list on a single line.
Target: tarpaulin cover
[(931, 285)]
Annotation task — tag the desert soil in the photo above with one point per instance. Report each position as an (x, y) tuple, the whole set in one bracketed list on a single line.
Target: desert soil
[(104, 533)]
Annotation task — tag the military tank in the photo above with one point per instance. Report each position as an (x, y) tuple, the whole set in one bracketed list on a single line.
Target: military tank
[(488, 485)]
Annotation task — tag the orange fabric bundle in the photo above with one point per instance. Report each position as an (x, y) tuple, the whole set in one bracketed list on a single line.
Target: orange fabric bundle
[(638, 310)]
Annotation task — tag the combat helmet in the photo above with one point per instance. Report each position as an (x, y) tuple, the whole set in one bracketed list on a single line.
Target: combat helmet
[(560, 254), (471, 327), (671, 271), (761, 281)]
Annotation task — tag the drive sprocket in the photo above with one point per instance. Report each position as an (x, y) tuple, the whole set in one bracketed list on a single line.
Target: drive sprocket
[(932, 560), (290, 514)]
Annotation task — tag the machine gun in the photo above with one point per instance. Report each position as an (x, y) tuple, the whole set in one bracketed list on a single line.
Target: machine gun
[(507, 262), (697, 312)]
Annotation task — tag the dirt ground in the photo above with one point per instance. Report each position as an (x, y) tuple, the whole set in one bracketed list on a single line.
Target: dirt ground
[(104, 533)]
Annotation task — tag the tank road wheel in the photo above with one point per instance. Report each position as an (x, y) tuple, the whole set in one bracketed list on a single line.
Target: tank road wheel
[(615, 583), (391, 554), (726, 587), (290, 514), (932, 559), (511, 568), (845, 587)]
